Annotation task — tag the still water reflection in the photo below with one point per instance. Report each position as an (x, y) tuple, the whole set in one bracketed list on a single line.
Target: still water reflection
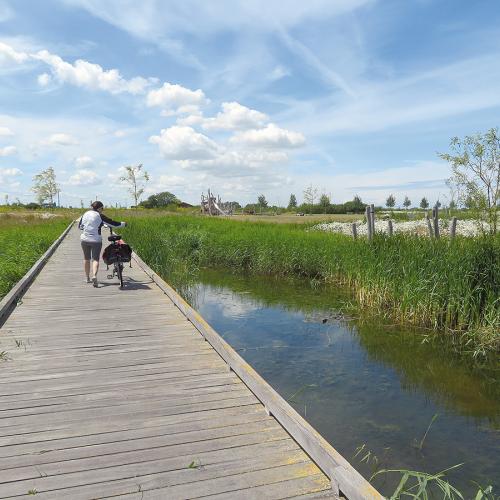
[(360, 382)]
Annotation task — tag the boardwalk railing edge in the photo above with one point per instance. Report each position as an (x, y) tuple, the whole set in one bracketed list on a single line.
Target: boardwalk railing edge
[(343, 476), (7, 303)]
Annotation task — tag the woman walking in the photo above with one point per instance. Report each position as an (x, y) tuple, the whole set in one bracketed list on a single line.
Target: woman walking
[(91, 223)]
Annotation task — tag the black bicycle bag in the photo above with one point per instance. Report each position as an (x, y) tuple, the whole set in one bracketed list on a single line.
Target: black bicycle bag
[(120, 251)]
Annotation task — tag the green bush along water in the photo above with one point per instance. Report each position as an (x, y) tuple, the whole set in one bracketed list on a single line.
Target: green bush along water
[(448, 286), (23, 240)]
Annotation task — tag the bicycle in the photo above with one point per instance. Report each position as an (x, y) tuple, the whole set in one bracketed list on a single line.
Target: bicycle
[(116, 257)]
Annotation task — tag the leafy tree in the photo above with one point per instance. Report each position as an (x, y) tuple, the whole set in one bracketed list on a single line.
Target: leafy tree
[(424, 203), (292, 203), (355, 206), (453, 204), (162, 199), (324, 202), (45, 186), (250, 208), (391, 201), (469, 202), (136, 178), (438, 204), (475, 163), (262, 202), (32, 206), (407, 202)]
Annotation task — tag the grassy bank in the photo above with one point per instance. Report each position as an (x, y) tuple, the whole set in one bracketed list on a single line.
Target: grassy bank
[(23, 239), (453, 287)]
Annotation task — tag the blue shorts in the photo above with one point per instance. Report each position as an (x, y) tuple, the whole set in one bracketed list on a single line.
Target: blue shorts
[(91, 250)]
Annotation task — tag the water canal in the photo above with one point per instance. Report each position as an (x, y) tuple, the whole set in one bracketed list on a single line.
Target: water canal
[(370, 388)]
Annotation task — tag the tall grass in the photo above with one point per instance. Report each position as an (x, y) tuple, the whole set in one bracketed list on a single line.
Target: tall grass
[(440, 284), (22, 241)]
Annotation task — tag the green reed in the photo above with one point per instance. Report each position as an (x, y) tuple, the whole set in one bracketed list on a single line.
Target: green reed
[(22, 242), (448, 286)]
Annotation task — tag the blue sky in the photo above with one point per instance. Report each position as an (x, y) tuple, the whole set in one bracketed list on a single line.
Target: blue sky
[(243, 97)]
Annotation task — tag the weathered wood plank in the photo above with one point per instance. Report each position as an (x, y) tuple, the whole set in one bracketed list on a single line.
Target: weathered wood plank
[(70, 484), (58, 440), (132, 407), (233, 484), (32, 471), (339, 470), (110, 388)]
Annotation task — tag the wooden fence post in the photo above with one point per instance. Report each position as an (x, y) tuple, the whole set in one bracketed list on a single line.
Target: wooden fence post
[(429, 226), (453, 230), (354, 230), (368, 222), (435, 216), (389, 227), (372, 214)]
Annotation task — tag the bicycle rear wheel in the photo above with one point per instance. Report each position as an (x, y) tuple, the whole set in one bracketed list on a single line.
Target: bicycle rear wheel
[(119, 272)]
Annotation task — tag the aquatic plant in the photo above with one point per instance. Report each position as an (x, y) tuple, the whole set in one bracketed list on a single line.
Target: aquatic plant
[(22, 241), (451, 287)]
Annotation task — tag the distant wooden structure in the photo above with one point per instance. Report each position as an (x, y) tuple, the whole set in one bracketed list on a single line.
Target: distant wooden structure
[(213, 205)]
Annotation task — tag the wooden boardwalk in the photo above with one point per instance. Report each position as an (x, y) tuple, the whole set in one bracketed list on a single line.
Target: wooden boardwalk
[(115, 393)]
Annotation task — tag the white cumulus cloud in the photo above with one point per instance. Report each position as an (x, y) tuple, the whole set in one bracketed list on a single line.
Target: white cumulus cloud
[(43, 79), (269, 137), (60, 139), (8, 151), (92, 76), (174, 98), (84, 161), (169, 182), (10, 172), (8, 177), (5, 132), (10, 55), (236, 163), (234, 116), (184, 143), (84, 177)]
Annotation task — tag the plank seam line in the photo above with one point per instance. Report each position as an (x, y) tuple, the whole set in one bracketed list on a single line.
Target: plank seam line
[(217, 462), (101, 467), (135, 450), (154, 433)]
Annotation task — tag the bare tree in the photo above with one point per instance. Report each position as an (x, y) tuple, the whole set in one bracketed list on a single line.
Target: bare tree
[(310, 195), (45, 186), (475, 163), (136, 178)]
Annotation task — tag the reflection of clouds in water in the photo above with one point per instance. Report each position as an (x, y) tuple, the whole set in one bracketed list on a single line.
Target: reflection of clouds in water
[(374, 382), (230, 304)]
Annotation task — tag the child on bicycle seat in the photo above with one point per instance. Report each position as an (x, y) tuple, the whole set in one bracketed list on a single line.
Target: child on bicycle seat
[(91, 223)]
